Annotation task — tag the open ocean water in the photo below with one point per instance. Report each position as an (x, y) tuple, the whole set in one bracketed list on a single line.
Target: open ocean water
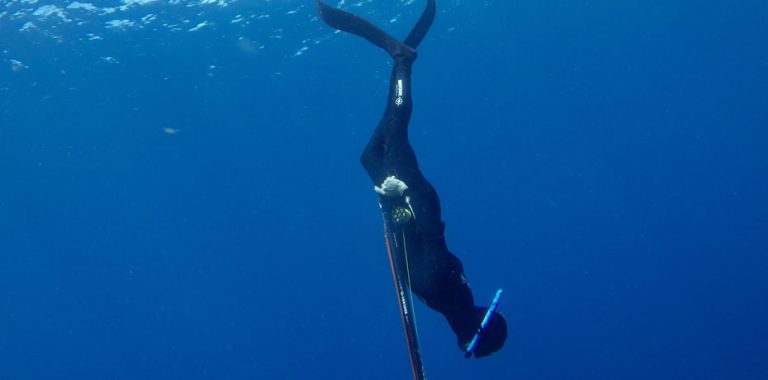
[(181, 196)]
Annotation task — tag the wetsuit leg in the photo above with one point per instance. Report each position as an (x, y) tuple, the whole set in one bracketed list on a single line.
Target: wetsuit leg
[(389, 150)]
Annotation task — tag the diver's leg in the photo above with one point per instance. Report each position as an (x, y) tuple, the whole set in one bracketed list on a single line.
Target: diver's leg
[(389, 151)]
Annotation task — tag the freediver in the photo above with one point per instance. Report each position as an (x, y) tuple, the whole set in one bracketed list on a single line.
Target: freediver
[(408, 199)]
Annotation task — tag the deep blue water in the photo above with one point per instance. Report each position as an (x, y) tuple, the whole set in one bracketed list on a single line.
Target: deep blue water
[(180, 196)]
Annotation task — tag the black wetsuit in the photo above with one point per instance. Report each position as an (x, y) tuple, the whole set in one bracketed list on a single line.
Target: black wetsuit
[(437, 276)]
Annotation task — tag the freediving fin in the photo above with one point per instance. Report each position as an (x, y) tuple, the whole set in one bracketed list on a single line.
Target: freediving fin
[(351, 23)]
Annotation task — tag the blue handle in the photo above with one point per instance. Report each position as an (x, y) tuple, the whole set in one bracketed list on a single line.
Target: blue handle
[(483, 324)]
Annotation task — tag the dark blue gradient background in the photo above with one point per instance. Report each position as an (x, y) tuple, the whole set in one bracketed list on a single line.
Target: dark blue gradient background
[(606, 163)]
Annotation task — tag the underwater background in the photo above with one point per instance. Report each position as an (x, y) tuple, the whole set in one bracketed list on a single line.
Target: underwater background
[(181, 196)]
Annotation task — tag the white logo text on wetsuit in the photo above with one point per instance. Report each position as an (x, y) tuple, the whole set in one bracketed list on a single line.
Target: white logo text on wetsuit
[(399, 92)]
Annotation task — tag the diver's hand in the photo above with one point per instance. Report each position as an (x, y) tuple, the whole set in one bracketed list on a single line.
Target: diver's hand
[(391, 187)]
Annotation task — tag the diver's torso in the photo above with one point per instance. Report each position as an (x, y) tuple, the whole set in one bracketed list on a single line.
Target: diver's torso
[(436, 275)]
